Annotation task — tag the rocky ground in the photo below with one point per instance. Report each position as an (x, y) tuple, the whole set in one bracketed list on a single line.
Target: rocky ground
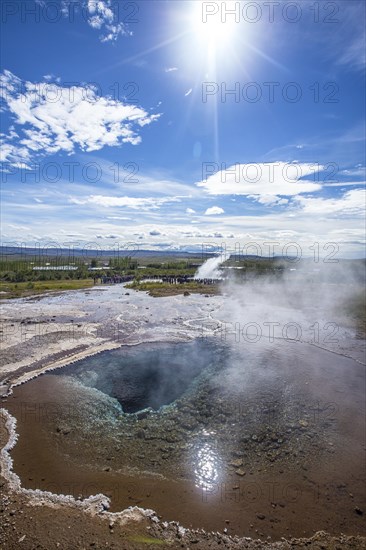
[(39, 334), (44, 527)]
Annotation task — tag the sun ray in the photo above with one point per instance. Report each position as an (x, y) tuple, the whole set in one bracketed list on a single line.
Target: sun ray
[(140, 55)]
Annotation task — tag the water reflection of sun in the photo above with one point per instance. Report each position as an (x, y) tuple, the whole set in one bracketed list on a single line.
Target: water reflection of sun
[(207, 463)]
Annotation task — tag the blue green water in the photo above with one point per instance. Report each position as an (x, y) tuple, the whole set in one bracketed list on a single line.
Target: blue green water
[(140, 377)]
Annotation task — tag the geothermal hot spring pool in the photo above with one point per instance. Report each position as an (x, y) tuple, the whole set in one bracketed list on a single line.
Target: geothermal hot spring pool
[(264, 440), (146, 378)]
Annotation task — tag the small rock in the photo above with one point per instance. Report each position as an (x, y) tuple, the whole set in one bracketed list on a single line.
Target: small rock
[(143, 414), (189, 425), (359, 511), (240, 472), (261, 516), (238, 454)]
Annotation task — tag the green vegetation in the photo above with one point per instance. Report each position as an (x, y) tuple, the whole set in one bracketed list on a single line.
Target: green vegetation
[(22, 270), (179, 268), (124, 265), (249, 267), (19, 290), (158, 290), (26, 275), (42, 268)]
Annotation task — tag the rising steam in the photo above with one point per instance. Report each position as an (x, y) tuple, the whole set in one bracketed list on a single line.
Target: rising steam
[(211, 268)]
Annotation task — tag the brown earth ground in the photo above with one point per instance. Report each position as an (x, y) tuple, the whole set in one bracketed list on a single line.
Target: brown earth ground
[(48, 526), (27, 526)]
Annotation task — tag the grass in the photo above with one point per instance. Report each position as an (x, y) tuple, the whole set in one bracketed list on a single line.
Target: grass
[(19, 290), (158, 290)]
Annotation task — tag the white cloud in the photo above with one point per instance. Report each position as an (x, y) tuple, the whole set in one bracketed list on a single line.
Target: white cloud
[(102, 15), (188, 92), (121, 218), (50, 77), (351, 203), (345, 184), (171, 69), (269, 200), (190, 211), (354, 53), (348, 44), (214, 210), (15, 155), (302, 228), (136, 203), (356, 171), (55, 118), (262, 179)]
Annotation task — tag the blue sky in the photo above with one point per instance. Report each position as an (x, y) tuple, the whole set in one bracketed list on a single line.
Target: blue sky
[(174, 123)]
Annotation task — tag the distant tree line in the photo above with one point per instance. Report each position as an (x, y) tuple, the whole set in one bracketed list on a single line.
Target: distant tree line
[(55, 268)]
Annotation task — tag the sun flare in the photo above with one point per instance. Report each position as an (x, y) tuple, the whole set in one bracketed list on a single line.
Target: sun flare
[(211, 24)]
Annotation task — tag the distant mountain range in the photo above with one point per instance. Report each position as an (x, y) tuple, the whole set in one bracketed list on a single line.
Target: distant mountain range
[(73, 252), (14, 251)]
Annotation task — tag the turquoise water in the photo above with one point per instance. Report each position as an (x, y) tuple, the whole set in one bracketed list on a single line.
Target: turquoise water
[(142, 377)]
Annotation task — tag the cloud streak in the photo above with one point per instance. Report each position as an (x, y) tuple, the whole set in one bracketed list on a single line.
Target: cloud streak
[(135, 203)]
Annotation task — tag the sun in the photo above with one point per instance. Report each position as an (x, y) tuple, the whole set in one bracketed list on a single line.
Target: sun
[(211, 26)]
